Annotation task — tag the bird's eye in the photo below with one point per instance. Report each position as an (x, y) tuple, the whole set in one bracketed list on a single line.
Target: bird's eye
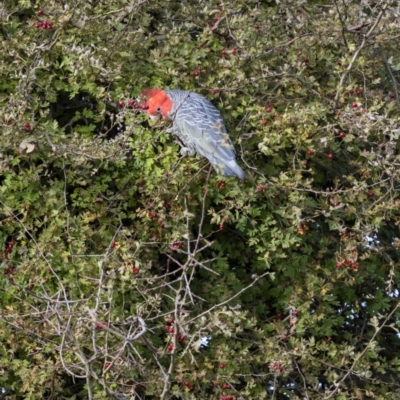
[(158, 109)]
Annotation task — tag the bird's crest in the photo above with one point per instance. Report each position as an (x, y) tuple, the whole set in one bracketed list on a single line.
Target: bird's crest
[(157, 101)]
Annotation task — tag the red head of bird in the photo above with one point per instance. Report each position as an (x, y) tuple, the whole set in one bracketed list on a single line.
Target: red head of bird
[(157, 103)]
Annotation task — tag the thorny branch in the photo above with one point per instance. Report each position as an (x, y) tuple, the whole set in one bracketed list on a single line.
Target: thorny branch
[(357, 52)]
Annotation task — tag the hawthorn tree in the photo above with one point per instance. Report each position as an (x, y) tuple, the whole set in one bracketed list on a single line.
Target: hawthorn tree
[(129, 272)]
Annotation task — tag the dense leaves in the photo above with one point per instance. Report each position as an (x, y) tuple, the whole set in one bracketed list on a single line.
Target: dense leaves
[(120, 259)]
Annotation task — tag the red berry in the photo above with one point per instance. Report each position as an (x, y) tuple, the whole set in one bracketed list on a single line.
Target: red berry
[(204, 191), (223, 53), (27, 127), (338, 265), (181, 338), (170, 320), (329, 340), (221, 226), (135, 270), (234, 50), (186, 383), (196, 73), (214, 91), (136, 106), (49, 26), (354, 105), (310, 152), (256, 27), (330, 156), (278, 316), (144, 107), (342, 135), (392, 96), (295, 312), (132, 102), (190, 198), (107, 365), (40, 12), (222, 365), (268, 109), (167, 328), (121, 103), (363, 110), (170, 347), (264, 122), (336, 203), (371, 193), (38, 25), (177, 245), (358, 92)]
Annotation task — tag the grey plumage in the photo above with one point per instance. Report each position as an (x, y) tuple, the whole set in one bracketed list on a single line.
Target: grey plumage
[(200, 127)]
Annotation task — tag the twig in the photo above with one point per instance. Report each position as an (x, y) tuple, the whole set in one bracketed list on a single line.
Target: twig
[(394, 82), (351, 369), (231, 298), (357, 52)]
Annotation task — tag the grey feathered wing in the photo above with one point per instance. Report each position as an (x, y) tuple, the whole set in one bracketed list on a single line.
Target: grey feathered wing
[(204, 131)]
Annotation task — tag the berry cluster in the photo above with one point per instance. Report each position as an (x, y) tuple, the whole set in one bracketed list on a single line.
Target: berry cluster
[(44, 24), (188, 385), (268, 109), (9, 271), (10, 246), (176, 245), (132, 103), (349, 264), (100, 326), (278, 368)]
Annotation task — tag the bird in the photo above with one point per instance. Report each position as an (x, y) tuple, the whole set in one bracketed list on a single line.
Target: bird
[(197, 123)]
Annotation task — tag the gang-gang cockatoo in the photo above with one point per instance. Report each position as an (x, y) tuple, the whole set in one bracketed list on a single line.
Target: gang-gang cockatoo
[(198, 125)]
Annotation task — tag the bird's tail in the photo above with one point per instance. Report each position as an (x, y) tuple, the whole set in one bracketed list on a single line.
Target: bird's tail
[(228, 168)]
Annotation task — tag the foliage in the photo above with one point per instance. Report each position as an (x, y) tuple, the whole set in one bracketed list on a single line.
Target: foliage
[(119, 257)]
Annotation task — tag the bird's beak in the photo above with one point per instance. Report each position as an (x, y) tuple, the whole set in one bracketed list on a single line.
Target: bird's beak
[(155, 118)]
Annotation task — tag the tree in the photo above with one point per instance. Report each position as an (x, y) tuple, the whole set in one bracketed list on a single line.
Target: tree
[(130, 272)]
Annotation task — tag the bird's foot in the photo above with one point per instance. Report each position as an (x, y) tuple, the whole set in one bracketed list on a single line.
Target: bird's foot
[(185, 151)]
